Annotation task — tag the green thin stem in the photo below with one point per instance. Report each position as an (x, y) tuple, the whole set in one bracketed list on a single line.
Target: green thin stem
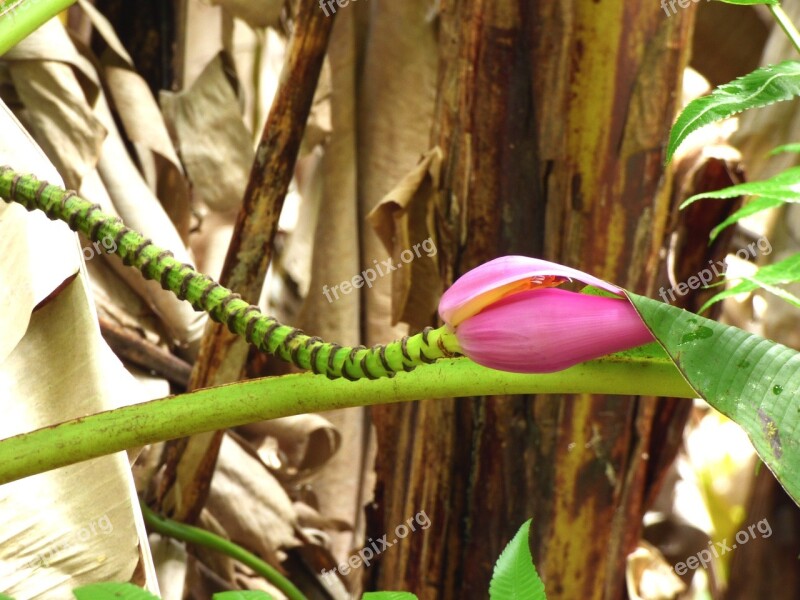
[(222, 304), (201, 537), (269, 398), (20, 18), (786, 24)]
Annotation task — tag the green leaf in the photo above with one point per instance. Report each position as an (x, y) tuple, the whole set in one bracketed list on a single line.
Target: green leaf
[(767, 277), (753, 381), (783, 188), (112, 591), (751, 208), (242, 595), (762, 87), (515, 577), (388, 596), (795, 147)]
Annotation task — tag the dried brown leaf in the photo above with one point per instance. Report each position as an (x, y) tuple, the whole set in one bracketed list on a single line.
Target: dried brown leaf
[(212, 138), (307, 441), (77, 524), (251, 505), (396, 94), (404, 222), (265, 13), (119, 181)]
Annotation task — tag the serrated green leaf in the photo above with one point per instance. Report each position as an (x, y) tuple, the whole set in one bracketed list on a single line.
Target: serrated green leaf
[(762, 87), (751, 208), (112, 591), (753, 381), (783, 188), (767, 277), (515, 576), (242, 595), (388, 596)]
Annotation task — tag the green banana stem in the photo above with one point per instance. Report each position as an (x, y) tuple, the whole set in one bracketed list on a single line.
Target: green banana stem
[(20, 18), (222, 304), (201, 537), (210, 409), (786, 24)]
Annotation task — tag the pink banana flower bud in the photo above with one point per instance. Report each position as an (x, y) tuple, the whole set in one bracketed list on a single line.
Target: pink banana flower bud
[(507, 316)]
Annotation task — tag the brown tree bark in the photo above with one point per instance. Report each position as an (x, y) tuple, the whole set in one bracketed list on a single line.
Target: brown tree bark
[(553, 116)]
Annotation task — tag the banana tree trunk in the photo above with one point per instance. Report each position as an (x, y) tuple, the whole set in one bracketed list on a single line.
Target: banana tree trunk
[(552, 116)]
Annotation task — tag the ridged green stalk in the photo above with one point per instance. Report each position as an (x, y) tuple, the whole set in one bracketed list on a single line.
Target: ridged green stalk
[(222, 304)]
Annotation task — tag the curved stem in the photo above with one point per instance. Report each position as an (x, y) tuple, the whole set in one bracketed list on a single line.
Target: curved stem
[(20, 18), (222, 304), (255, 400), (201, 537), (786, 24)]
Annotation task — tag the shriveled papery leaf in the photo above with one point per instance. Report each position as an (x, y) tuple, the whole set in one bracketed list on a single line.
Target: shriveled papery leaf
[(762, 87), (346, 483), (143, 123), (396, 97), (121, 182), (266, 13), (251, 505), (649, 575), (297, 257), (515, 577), (58, 111), (80, 523), (169, 557), (118, 303), (753, 381), (141, 210), (304, 442), (214, 143), (404, 222), (27, 277)]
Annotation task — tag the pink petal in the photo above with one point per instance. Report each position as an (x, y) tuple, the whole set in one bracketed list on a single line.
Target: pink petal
[(540, 331), (472, 292)]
